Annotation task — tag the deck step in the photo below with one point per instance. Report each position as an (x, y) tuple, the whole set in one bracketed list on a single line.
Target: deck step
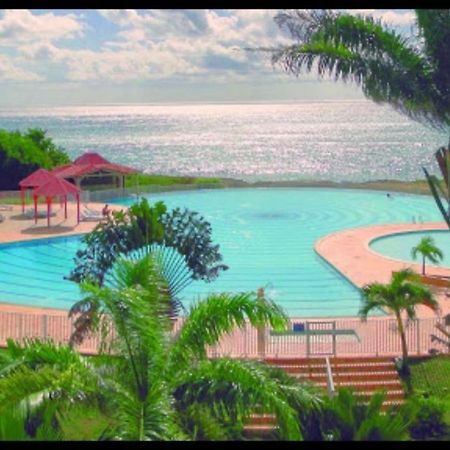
[(364, 375)]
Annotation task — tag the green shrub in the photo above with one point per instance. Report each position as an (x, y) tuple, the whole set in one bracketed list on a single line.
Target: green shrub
[(23, 153), (428, 417)]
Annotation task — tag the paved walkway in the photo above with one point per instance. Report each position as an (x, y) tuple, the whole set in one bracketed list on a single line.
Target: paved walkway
[(16, 227), (349, 252)]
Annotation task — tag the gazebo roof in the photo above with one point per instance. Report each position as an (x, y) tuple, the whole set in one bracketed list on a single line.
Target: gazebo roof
[(37, 178), (56, 186), (91, 158), (90, 162)]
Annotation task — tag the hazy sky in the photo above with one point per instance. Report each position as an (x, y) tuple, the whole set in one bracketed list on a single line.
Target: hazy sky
[(73, 57)]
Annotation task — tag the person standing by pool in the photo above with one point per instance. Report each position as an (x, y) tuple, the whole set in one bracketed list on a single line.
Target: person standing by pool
[(106, 211)]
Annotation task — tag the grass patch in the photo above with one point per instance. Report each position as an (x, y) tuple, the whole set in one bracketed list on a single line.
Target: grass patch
[(431, 375), (84, 424), (166, 180), (18, 201)]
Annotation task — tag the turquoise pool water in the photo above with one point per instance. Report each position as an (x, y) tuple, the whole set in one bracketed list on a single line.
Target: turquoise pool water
[(398, 246), (266, 237)]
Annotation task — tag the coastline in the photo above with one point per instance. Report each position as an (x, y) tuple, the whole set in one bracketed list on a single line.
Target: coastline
[(419, 187)]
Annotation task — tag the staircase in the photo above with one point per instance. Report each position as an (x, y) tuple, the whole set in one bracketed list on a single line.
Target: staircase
[(364, 375)]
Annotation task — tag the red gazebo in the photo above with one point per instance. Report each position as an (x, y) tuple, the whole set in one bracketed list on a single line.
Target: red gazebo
[(92, 165), (52, 188), (34, 180)]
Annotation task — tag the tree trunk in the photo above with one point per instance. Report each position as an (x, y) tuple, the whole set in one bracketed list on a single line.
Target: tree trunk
[(423, 265), (401, 330)]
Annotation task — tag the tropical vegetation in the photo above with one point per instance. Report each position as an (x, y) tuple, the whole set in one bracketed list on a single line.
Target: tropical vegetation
[(149, 382), (428, 250), (23, 153), (400, 297)]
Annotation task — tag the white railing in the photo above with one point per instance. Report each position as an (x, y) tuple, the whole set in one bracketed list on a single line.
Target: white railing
[(376, 337), (330, 382)]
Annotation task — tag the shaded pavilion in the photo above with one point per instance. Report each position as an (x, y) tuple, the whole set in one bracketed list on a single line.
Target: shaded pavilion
[(56, 187), (90, 167), (34, 180)]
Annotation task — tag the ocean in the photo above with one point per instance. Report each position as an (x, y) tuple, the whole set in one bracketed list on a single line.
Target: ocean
[(354, 140)]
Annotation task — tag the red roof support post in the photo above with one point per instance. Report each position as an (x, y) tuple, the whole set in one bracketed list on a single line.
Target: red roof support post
[(22, 197), (65, 207), (35, 208), (49, 209), (78, 208)]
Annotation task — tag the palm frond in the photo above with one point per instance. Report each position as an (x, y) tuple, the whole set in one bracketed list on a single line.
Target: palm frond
[(217, 315), (236, 388), (361, 49)]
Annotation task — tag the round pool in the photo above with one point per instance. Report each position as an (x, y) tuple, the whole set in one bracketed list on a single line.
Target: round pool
[(399, 246), (266, 236)]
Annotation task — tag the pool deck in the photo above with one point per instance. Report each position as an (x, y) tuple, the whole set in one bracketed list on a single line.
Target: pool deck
[(349, 252), (16, 227)]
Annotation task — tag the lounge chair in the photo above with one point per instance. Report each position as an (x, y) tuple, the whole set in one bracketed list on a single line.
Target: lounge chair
[(29, 214), (2, 218), (6, 207), (89, 215)]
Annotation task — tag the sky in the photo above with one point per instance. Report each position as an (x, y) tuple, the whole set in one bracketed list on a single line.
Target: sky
[(94, 57)]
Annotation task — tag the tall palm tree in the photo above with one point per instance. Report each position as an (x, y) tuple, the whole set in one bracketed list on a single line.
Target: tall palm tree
[(153, 383), (428, 250), (400, 296)]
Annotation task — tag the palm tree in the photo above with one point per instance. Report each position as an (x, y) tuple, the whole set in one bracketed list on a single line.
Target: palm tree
[(427, 249), (412, 75), (151, 382), (401, 295)]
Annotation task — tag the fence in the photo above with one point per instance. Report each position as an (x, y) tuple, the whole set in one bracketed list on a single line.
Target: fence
[(376, 337)]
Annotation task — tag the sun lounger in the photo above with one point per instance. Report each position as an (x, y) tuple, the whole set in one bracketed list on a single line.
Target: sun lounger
[(6, 207), (90, 215), (2, 218), (29, 214)]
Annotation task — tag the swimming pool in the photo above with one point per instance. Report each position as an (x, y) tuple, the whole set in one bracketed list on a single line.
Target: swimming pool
[(266, 236), (399, 246)]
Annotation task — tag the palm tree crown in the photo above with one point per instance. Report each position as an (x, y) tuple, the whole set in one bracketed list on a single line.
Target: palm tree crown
[(402, 295), (427, 248)]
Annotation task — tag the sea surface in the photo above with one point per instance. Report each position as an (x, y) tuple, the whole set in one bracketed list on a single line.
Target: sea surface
[(323, 140)]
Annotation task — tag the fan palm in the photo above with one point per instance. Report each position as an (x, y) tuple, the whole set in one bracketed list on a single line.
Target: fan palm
[(401, 295), (428, 250), (156, 384)]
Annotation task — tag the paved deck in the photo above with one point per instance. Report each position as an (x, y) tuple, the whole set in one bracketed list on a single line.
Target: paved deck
[(349, 252), (16, 227)]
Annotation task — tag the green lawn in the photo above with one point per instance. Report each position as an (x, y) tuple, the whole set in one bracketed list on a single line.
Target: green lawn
[(431, 375), (166, 180)]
